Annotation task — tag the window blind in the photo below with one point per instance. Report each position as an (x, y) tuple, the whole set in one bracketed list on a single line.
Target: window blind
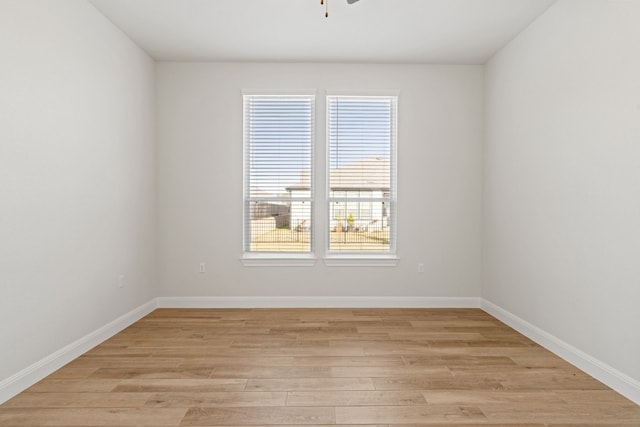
[(278, 190), (361, 174)]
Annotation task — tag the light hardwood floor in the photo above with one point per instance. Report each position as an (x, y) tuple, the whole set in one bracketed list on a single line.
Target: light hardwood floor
[(268, 367)]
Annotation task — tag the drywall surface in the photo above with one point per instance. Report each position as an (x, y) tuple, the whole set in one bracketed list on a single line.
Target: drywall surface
[(561, 194), (76, 177), (200, 170)]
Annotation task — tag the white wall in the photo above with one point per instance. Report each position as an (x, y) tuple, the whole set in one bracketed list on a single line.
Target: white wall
[(76, 176), (562, 178), (199, 113)]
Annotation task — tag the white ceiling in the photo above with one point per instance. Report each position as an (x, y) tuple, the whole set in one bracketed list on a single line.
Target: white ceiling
[(411, 31)]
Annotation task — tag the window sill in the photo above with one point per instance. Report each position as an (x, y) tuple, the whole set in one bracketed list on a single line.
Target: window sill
[(272, 260), (361, 261)]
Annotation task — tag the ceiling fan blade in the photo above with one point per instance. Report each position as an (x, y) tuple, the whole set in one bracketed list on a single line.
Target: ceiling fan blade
[(352, 1)]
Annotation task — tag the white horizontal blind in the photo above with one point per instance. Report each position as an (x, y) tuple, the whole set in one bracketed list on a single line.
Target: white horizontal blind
[(278, 191), (361, 174)]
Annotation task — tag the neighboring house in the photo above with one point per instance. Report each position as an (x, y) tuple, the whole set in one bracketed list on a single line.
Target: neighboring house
[(268, 209), (356, 197), (267, 215)]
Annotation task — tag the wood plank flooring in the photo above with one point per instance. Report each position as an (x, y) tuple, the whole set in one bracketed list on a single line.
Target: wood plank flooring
[(319, 367)]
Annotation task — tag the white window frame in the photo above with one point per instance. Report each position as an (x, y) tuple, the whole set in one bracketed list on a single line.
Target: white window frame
[(358, 259), (278, 259)]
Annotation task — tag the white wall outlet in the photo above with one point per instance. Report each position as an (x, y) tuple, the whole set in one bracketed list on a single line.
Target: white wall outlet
[(421, 268), (121, 281), (203, 267)]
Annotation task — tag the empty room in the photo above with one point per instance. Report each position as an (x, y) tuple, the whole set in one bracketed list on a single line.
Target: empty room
[(374, 213)]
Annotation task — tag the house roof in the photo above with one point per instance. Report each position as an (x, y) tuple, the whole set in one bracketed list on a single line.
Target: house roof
[(371, 173)]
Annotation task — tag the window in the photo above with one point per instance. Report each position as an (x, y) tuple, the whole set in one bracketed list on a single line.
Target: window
[(278, 176), (361, 174), (360, 198)]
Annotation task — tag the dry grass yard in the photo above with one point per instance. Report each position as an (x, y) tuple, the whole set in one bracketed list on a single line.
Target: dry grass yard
[(285, 240)]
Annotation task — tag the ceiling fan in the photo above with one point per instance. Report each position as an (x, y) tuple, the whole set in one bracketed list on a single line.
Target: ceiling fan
[(326, 5)]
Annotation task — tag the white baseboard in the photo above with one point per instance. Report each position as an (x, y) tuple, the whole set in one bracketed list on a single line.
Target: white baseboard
[(620, 382), (24, 379), (318, 302)]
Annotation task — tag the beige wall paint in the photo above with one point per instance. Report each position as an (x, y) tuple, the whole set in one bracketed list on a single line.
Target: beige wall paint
[(561, 193), (76, 177), (199, 111)]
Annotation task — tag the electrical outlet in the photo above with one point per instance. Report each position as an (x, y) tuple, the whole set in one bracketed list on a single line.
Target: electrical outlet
[(203, 267), (421, 268), (121, 281)]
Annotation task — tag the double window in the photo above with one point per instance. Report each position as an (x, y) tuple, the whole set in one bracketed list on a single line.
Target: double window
[(279, 200)]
